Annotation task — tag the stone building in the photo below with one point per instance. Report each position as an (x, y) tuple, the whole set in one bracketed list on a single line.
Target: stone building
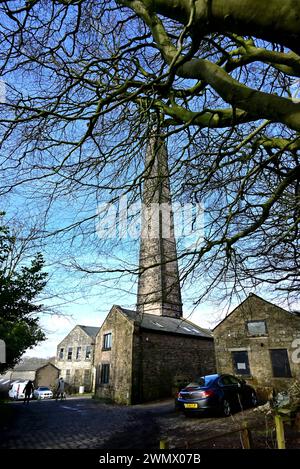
[(258, 342), (41, 372), (141, 355), (75, 355)]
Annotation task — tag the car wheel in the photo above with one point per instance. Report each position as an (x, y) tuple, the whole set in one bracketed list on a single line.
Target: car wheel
[(226, 408), (253, 399)]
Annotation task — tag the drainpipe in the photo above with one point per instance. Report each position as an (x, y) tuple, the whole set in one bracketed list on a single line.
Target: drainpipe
[(93, 369)]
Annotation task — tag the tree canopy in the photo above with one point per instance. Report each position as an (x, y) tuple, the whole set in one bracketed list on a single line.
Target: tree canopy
[(86, 81), (19, 287)]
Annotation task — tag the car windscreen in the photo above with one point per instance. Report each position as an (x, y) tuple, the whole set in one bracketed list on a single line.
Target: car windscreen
[(44, 389), (202, 381), (196, 383)]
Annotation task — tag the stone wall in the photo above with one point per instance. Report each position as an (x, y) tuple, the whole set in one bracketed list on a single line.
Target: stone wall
[(232, 335), (47, 376), (163, 362), (78, 368), (119, 358)]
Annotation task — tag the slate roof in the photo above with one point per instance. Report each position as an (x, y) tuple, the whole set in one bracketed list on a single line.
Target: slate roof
[(166, 324), (90, 330), (28, 366)]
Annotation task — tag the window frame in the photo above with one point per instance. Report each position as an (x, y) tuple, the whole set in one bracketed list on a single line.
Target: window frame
[(61, 353), (70, 351), (88, 349), (78, 353), (107, 340), (288, 368), (257, 321), (235, 361), (105, 373)]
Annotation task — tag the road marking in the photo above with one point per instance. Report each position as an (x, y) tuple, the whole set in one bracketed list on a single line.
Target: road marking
[(72, 408), (69, 408)]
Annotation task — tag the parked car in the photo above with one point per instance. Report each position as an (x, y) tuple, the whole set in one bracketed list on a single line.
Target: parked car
[(219, 393), (42, 392), (16, 390)]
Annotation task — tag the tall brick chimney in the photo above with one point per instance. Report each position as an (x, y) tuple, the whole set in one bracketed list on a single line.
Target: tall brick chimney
[(158, 286)]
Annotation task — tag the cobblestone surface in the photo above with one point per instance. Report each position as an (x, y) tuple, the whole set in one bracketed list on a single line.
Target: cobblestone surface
[(89, 424), (82, 423)]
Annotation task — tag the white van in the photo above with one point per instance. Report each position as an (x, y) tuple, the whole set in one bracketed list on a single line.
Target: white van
[(16, 390)]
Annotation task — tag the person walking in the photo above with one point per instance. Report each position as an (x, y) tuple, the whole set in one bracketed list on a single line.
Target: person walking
[(28, 390), (60, 391)]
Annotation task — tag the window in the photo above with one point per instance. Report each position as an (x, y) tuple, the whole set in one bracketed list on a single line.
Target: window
[(105, 374), (224, 381), (241, 362), (70, 351), (186, 328), (234, 381), (157, 324), (68, 376), (256, 328), (78, 353), (88, 352), (87, 378), (61, 354), (280, 363), (229, 380), (107, 342)]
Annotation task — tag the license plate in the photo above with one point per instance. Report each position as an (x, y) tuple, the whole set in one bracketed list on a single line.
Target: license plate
[(191, 406)]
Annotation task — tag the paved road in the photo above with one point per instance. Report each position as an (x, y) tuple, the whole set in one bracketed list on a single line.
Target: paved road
[(83, 423)]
